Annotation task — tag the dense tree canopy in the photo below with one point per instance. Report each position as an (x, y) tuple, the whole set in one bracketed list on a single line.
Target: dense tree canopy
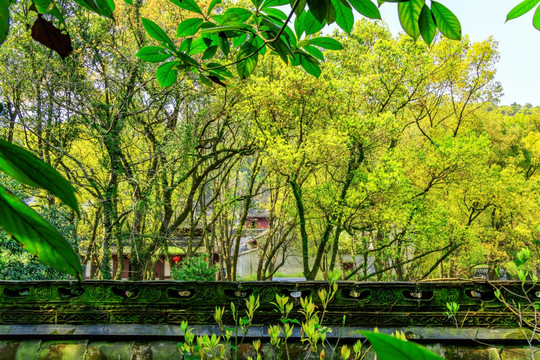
[(394, 156)]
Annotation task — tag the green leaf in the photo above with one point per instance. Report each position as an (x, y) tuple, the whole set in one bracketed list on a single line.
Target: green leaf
[(187, 59), (188, 27), (219, 69), (236, 15), (522, 8), (344, 15), (427, 26), (409, 13), (102, 7), (278, 14), (153, 54), (310, 64), (44, 6), (212, 6), (326, 43), (156, 33), (224, 45), (247, 59), (310, 25), (205, 80), (198, 46), (25, 167), (319, 9), (314, 51), (210, 52), (536, 19), (190, 5), (36, 235), (167, 73), (4, 19), (390, 348), (366, 8), (272, 3), (282, 49), (446, 21)]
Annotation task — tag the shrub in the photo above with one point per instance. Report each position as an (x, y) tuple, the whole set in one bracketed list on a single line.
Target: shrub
[(195, 268)]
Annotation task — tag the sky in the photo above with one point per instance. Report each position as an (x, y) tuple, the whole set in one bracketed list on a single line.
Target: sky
[(518, 69)]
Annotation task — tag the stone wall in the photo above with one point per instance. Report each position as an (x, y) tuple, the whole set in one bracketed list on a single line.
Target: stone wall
[(141, 320)]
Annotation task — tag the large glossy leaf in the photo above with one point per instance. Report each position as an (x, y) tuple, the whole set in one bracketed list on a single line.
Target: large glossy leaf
[(310, 64), (536, 19), (247, 59), (167, 73), (188, 27), (4, 19), (446, 21), (427, 26), (157, 33), (326, 43), (366, 8), (212, 5), (102, 7), (344, 15), (390, 348), (153, 54), (409, 13), (36, 235), (309, 24), (522, 8), (190, 5), (25, 167)]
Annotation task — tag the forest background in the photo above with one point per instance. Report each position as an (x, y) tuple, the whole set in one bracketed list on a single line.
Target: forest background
[(397, 152)]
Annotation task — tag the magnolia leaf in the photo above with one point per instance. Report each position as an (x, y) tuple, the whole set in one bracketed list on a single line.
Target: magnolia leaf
[(247, 58), (312, 50), (344, 15), (536, 19), (390, 348), (326, 43), (427, 26), (4, 19), (212, 5), (310, 64), (409, 13), (26, 168), (157, 33), (188, 27), (190, 5), (153, 54), (102, 7), (167, 73), (522, 8), (366, 8), (446, 21), (36, 235)]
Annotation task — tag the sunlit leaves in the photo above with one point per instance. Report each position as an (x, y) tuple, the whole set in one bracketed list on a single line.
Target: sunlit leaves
[(426, 25), (246, 59), (102, 7), (446, 21), (344, 15), (409, 13), (366, 8), (326, 43), (536, 19), (188, 27), (36, 235), (390, 348), (212, 5), (26, 168), (190, 5), (153, 54), (4, 19), (167, 73), (521, 9), (310, 64), (156, 33)]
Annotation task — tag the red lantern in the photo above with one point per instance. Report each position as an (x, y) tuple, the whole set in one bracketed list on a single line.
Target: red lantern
[(176, 258)]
